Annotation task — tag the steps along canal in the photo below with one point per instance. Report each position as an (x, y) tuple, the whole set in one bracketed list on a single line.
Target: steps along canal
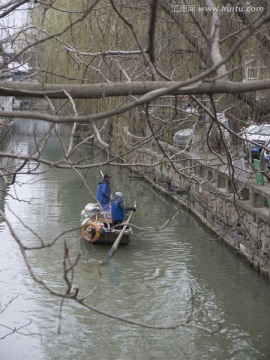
[(150, 281)]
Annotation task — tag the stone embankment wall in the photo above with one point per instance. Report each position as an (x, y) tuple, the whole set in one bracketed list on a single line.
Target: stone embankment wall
[(241, 220)]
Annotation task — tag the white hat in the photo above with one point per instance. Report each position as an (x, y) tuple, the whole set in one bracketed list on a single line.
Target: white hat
[(118, 194)]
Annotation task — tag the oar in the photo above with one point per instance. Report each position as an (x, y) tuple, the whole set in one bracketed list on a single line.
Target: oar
[(116, 243)]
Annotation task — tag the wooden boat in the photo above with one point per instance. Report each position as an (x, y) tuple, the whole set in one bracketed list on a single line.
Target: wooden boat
[(97, 227)]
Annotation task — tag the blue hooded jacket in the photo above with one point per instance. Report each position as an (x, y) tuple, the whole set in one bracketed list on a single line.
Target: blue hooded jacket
[(118, 210), (103, 193)]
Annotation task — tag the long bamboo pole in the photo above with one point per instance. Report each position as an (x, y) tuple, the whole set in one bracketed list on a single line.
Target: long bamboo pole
[(117, 241)]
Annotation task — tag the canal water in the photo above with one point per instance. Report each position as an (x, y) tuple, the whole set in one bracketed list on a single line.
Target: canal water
[(156, 280)]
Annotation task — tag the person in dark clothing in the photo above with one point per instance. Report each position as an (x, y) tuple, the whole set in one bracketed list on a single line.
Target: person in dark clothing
[(119, 209), (103, 194)]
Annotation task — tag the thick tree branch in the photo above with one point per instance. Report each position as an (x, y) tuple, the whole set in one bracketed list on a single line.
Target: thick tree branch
[(116, 89)]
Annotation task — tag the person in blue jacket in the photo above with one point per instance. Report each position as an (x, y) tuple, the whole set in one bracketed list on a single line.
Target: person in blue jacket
[(103, 194), (119, 209)]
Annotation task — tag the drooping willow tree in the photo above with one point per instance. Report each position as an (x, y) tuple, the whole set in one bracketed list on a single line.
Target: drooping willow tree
[(130, 42)]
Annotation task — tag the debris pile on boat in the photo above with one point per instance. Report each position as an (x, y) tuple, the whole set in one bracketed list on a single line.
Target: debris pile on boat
[(97, 226)]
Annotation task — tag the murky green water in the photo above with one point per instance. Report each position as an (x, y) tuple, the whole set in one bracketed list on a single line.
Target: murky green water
[(150, 281)]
